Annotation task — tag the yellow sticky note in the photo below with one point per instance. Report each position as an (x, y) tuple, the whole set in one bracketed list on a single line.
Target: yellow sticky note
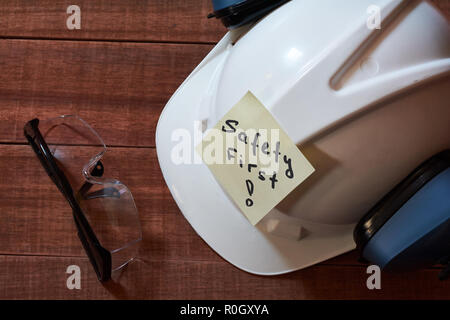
[(253, 159)]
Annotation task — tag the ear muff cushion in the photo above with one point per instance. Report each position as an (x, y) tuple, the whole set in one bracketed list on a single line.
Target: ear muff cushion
[(418, 234), (418, 196)]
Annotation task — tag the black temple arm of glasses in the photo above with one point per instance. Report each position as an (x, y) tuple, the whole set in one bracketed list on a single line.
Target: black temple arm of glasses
[(100, 257)]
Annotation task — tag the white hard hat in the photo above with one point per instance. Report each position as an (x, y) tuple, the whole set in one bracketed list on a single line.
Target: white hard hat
[(360, 100)]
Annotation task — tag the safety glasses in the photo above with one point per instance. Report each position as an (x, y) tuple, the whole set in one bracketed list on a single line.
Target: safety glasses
[(103, 208)]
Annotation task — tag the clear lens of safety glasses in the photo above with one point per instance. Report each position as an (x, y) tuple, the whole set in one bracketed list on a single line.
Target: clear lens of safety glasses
[(106, 203)]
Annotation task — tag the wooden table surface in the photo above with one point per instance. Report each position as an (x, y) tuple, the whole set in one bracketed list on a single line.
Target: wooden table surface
[(117, 73)]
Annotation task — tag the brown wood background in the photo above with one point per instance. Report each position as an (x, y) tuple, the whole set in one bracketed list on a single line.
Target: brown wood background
[(122, 67)]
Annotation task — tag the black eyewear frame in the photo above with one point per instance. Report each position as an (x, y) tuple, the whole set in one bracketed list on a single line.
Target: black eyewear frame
[(99, 257)]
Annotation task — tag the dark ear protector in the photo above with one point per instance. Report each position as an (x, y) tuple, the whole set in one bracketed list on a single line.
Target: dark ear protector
[(410, 227), (235, 13)]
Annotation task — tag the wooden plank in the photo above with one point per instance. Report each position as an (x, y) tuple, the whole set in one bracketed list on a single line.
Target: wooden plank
[(131, 20), (126, 83), (45, 278), (35, 219)]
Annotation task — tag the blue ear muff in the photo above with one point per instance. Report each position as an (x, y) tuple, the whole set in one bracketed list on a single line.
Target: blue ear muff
[(235, 13), (410, 227)]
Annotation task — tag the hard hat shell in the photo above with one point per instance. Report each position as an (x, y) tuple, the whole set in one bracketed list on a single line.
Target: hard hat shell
[(365, 105)]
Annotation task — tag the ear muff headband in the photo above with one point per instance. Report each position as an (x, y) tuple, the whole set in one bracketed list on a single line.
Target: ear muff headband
[(235, 13)]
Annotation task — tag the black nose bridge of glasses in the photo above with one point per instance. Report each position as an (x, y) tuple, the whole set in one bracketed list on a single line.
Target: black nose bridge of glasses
[(109, 192), (97, 171)]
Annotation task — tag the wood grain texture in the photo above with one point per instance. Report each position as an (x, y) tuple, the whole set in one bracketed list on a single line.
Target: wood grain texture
[(126, 83), (37, 277), (131, 20)]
